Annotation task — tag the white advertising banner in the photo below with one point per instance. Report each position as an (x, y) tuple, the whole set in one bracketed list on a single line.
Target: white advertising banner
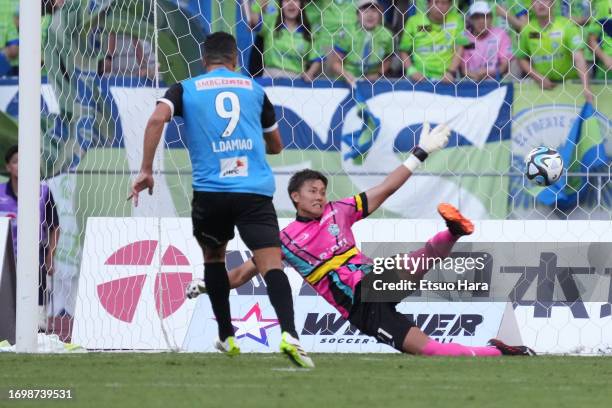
[(134, 271)]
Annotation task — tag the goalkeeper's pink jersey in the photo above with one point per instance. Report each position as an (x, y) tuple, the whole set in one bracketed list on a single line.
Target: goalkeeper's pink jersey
[(323, 251)]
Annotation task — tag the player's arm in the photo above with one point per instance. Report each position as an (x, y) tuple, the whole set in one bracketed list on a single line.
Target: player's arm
[(52, 220), (583, 73), (429, 142), (516, 21), (338, 66), (599, 52), (152, 136), (271, 134), (167, 107)]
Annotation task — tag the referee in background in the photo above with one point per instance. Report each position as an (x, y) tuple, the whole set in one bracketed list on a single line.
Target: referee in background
[(229, 126)]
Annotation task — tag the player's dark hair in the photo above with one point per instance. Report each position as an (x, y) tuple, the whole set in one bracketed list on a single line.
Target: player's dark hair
[(298, 179), (220, 48), (10, 153), (302, 19)]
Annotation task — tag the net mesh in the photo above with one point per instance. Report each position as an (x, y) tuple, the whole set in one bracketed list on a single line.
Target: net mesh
[(352, 83)]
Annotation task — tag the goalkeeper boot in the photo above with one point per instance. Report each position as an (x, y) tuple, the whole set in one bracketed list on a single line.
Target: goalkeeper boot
[(195, 288), (228, 346), (507, 350), (457, 224), (292, 348)]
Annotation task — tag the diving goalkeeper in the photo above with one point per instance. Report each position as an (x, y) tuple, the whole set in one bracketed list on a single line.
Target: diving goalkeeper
[(320, 245)]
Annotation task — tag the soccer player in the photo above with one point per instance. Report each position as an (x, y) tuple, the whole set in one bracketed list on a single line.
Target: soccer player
[(320, 245), (225, 116)]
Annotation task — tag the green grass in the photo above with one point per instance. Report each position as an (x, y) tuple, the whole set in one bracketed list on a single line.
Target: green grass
[(340, 380)]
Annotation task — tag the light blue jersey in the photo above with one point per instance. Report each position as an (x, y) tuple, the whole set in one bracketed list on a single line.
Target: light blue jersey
[(225, 116)]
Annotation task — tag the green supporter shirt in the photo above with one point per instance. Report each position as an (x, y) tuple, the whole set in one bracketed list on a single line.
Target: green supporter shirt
[(8, 31), (601, 9), (364, 51), (432, 46), (329, 18), (596, 28), (285, 49), (551, 49)]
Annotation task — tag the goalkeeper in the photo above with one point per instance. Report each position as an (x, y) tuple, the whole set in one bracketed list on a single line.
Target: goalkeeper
[(320, 245)]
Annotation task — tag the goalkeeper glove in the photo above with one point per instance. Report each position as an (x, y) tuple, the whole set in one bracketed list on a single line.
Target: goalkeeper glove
[(430, 141)]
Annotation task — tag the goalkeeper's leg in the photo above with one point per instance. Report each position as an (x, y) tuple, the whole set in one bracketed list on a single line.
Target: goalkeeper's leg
[(383, 321), (417, 342), (441, 244)]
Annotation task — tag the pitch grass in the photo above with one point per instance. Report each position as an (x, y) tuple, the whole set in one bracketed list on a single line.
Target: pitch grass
[(340, 380)]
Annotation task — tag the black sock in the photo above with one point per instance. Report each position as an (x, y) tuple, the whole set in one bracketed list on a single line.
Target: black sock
[(218, 288), (279, 292)]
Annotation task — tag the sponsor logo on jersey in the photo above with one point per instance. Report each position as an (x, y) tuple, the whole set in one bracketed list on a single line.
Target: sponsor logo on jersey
[(333, 229), (234, 167), (221, 82), (534, 35)]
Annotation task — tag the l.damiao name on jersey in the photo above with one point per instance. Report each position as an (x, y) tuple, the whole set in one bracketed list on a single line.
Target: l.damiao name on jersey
[(231, 145)]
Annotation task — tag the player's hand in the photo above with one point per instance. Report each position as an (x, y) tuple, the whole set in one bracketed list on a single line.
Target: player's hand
[(548, 84), (448, 77), (588, 96), (417, 77), (435, 139), (143, 180)]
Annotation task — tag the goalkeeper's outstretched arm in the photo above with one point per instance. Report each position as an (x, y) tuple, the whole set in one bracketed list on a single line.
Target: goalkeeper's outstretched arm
[(430, 141), (241, 274)]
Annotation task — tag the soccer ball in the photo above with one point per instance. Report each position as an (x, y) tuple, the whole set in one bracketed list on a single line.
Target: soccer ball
[(195, 288), (544, 166)]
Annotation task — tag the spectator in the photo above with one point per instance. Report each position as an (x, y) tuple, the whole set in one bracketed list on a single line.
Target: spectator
[(127, 55), (329, 18), (366, 52), (511, 14), (49, 226), (490, 50), (9, 38), (432, 43), (600, 38), (289, 47), (551, 49)]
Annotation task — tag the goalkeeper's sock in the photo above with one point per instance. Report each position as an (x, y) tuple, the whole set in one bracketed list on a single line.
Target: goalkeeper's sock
[(279, 292), (218, 287), (433, 348)]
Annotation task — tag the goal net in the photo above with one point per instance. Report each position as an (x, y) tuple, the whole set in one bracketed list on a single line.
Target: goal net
[(352, 83)]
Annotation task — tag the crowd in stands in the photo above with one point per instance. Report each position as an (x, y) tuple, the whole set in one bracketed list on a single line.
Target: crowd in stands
[(548, 41), (123, 54)]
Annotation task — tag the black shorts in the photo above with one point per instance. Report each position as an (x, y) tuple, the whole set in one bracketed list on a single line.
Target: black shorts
[(380, 320), (214, 216)]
